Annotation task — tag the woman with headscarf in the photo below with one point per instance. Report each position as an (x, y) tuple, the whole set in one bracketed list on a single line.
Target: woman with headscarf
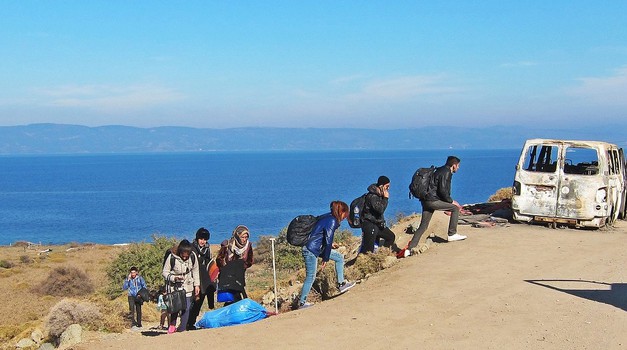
[(234, 257)]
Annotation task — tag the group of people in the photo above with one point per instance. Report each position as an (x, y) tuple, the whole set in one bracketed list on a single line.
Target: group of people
[(186, 267), (236, 254)]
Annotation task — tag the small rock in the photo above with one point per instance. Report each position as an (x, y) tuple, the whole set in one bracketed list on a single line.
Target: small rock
[(25, 343), (37, 335), (72, 335), (46, 346)]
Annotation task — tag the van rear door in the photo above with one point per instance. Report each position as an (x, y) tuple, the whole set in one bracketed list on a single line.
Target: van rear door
[(539, 180)]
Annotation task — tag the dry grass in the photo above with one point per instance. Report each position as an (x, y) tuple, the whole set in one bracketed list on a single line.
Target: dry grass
[(503, 193)]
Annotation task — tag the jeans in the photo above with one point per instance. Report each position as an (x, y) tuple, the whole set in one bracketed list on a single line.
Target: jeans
[(133, 308), (311, 265), (371, 233), (428, 207)]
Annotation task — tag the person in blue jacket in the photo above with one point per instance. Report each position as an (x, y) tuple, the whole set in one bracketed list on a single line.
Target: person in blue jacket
[(320, 244), (133, 283)]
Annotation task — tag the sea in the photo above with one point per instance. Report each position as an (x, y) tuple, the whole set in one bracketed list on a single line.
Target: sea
[(125, 198)]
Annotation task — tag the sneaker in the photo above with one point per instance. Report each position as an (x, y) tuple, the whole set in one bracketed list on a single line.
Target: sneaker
[(456, 237), (171, 329), (135, 328), (407, 253), (304, 305), (345, 286)]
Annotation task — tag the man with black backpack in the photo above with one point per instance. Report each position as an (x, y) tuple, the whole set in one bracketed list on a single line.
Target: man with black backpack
[(373, 226), (438, 197)]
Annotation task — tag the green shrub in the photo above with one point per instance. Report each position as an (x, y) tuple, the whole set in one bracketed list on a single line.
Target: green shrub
[(287, 256), (148, 257), (67, 312), (5, 264), (66, 281)]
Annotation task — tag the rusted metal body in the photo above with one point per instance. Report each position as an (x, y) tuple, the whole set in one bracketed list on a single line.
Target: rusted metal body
[(573, 183)]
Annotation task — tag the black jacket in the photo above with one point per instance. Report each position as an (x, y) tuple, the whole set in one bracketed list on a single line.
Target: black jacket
[(440, 185), (375, 206), (204, 258)]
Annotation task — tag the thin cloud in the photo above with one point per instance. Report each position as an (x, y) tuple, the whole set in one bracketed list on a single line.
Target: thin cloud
[(608, 91), (407, 87), (109, 98)]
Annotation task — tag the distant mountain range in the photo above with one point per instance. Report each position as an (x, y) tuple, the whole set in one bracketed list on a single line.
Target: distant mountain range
[(73, 139)]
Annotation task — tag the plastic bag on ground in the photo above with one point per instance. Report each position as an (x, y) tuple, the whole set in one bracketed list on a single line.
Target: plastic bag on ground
[(241, 312)]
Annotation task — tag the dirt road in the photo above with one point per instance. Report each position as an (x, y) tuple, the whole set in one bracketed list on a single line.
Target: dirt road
[(516, 287)]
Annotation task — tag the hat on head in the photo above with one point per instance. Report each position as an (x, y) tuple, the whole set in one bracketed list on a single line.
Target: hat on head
[(383, 180), (203, 233)]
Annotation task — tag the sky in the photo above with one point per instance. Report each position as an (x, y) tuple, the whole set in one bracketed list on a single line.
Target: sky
[(358, 64)]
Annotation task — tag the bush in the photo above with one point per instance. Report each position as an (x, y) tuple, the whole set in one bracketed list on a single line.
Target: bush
[(503, 193), (67, 312), (25, 259), (148, 257), (5, 264), (287, 256), (66, 281)]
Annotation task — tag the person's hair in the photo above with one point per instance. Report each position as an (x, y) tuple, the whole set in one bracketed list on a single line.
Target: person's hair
[(338, 208), (452, 160), (184, 246), (203, 233), (162, 289), (133, 268)]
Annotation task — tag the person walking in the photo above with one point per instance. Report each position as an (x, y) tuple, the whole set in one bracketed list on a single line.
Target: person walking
[(234, 258), (180, 270), (320, 244), (133, 283), (202, 249), (438, 197), (373, 227)]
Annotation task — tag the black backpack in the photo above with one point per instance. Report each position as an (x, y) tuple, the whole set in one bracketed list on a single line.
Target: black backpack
[(299, 229), (356, 211), (419, 186)]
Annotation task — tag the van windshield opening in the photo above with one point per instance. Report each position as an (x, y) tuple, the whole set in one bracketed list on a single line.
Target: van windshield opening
[(541, 158)]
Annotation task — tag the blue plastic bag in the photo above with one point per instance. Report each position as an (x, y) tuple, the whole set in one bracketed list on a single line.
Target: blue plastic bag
[(241, 312)]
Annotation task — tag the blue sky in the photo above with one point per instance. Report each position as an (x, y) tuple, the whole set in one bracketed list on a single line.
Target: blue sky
[(371, 64)]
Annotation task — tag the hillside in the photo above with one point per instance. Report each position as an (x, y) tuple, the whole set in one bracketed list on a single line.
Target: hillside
[(77, 139)]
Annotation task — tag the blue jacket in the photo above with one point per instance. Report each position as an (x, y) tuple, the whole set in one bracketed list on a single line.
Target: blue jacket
[(321, 236), (134, 285)]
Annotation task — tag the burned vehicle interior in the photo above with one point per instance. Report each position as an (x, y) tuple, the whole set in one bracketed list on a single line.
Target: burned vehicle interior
[(578, 161)]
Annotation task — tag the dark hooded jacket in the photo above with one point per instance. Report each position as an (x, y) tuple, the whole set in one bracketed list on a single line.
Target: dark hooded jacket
[(204, 258), (375, 206)]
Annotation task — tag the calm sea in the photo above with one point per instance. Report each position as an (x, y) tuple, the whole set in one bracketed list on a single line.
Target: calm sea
[(127, 198)]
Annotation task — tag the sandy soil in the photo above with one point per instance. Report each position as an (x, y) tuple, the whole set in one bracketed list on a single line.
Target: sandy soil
[(516, 287)]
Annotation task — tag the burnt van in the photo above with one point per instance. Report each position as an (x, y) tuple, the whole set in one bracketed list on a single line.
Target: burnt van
[(570, 183)]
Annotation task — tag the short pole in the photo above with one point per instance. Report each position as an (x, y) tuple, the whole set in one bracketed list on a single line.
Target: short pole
[(276, 296)]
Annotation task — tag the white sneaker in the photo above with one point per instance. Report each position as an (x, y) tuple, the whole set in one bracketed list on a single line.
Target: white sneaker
[(407, 253), (456, 237)]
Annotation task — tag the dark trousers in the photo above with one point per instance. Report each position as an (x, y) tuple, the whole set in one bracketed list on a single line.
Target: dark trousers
[(372, 232), (428, 208), (135, 308), (184, 315), (197, 304)]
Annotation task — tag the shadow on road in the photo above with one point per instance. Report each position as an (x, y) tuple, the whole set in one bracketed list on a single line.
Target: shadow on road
[(614, 294)]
